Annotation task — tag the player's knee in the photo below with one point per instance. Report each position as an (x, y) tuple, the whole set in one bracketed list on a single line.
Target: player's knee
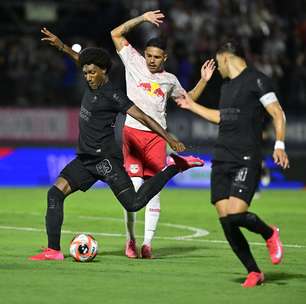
[(236, 219), (63, 185), (55, 198), (130, 209), (133, 206), (130, 200), (154, 204), (251, 218)]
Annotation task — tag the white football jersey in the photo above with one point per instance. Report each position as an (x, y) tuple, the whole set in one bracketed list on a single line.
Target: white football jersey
[(149, 91)]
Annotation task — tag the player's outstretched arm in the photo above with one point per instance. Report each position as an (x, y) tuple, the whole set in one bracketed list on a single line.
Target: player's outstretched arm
[(59, 44), (207, 70), (186, 102), (279, 122), (118, 34), (149, 122)]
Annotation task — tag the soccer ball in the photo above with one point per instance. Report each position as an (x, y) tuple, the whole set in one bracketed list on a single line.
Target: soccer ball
[(83, 247)]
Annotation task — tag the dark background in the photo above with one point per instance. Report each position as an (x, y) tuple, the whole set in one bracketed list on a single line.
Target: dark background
[(33, 74)]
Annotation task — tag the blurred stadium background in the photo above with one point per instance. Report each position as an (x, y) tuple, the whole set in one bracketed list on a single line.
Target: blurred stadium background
[(40, 88)]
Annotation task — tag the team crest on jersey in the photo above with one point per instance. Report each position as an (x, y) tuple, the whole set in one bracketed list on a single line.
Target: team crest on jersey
[(104, 167), (134, 168), (152, 88)]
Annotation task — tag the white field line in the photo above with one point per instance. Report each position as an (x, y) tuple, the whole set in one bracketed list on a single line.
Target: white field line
[(180, 238)]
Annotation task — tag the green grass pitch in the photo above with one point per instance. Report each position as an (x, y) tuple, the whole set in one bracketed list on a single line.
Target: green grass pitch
[(190, 267)]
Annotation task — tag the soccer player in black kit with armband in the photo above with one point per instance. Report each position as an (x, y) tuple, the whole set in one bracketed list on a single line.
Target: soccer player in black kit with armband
[(237, 155), (98, 155)]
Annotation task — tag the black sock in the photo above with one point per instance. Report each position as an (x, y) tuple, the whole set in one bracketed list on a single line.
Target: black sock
[(54, 217), (239, 244), (253, 223), (133, 201)]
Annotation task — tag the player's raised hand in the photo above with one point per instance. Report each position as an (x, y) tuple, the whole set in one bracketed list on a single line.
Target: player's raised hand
[(176, 145), (208, 69), (51, 39), (280, 158), (184, 101), (154, 17)]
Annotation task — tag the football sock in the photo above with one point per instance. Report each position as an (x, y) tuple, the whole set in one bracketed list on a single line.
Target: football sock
[(130, 217), (239, 244), (54, 217), (133, 201), (151, 218), (253, 223)]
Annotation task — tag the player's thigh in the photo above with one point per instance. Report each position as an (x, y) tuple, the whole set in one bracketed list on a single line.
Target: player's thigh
[(155, 156), (132, 153), (236, 205), (77, 176), (220, 182), (111, 171), (245, 180), (221, 207)]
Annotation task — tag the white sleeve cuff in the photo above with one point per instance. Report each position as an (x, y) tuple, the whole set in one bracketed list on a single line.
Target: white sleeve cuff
[(268, 99)]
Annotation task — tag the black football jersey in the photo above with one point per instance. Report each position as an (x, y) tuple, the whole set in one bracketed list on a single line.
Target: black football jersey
[(99, 109), (241, 107)]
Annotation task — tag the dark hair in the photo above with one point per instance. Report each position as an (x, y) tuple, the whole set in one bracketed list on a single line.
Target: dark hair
[(157, 42), (97, 56), (232, 47)]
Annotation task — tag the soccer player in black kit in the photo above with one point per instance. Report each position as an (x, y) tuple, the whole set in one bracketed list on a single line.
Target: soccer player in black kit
[(237, 155), (98, 155)]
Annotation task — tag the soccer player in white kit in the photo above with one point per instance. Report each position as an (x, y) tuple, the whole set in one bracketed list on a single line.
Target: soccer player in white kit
[(149, 86)]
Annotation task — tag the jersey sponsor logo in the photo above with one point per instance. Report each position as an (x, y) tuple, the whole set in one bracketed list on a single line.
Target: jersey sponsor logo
[(152, 88), (104, 167), (134, 168), (229, 114)]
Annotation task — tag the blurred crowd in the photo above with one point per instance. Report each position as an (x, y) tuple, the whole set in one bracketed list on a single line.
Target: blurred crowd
[(273, 34)]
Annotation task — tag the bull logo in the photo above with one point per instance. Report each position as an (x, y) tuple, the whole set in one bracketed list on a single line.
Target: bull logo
[(152, 88), (134, 168)]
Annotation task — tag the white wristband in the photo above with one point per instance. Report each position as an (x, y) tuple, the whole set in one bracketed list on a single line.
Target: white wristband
[(279, 145)]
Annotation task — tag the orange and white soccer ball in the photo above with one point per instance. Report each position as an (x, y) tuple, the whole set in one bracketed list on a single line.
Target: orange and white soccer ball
[(83, 247)]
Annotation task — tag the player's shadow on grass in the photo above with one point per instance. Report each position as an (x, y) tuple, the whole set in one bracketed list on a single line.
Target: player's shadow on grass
[(164, 253), (278, 278), (180, 252)]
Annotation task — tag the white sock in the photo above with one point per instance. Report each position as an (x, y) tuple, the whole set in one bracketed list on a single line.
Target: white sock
[(130, 217), (151, 218)]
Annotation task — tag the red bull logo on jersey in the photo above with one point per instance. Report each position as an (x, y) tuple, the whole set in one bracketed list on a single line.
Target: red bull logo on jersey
[(152, 88)]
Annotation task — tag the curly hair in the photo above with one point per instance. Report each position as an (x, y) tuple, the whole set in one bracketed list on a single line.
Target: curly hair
[(97, 56)]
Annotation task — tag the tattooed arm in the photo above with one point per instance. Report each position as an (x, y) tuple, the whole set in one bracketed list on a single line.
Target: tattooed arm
[(154, 17), (59, 44)]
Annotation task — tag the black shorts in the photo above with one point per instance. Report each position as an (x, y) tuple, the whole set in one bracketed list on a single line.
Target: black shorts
[(233, 179), (82, 172)]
